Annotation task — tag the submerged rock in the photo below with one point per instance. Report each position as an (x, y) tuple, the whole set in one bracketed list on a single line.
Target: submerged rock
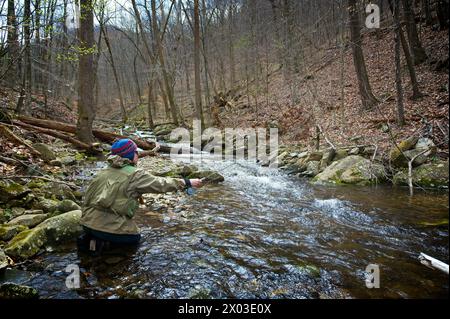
[(15, 291), (55, 230), (353, 169), (434, 175)]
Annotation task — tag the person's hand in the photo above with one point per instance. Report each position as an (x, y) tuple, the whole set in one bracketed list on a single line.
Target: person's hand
[(196, 183)]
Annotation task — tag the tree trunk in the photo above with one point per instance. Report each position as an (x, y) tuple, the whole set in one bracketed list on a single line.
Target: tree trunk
[(398, 76), (198, 96), (159, 49), (116, 77), (86, 77), (27, 41), (442, 13), (408, 57), (417, 50), (13, 46), (367, 97)]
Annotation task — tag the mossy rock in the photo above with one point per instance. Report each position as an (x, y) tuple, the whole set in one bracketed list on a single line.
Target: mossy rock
[(353, 169), (31, 220), (68, 205), (55, 230), (340, 154), (11, 190), (431, 175), (9, 231), (47, 205), (396, 152), (15, 291), (46, 152)]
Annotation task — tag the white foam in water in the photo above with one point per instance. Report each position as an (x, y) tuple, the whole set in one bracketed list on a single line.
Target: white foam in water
[(331, 203)]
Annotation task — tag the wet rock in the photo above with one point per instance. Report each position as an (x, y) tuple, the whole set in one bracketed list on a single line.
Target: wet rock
[(165, 129), (68, 205), (10, 190), (55, 230), (432, 175), (209, 176), (47, 153), (353, 169), (15, 291), (28, 220), (9, 231)]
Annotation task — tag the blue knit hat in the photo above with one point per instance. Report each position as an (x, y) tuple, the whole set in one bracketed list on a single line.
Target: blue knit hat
[(124, 148)]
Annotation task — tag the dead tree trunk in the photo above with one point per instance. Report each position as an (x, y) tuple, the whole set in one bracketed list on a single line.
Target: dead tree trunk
[(367, 98)]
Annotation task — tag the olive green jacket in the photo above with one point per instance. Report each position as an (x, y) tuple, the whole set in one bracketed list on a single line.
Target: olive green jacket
[(111, 199)]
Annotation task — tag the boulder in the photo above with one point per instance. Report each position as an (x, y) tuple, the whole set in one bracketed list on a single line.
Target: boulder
[(10, 190), (431, 175), (14, 291), (47, 153), (314, 156), (396, 152), (340, 154), (55, 230), (312, 169), (68, 205), (327, 158), (9, 231), (60, 191), (209, 176), (28, 220), (47, 205), (423, 144), (353, 169)]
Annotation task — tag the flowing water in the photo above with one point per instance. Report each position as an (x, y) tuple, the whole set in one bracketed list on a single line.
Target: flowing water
[(263, 234)]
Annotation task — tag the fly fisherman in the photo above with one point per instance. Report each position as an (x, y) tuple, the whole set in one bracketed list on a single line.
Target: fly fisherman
[(112, 199)]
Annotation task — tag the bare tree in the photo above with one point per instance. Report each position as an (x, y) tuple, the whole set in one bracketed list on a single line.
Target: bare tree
[(86, 77), (367, 97)]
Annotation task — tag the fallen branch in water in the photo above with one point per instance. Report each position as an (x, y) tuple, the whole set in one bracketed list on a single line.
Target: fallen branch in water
[(433, 263)]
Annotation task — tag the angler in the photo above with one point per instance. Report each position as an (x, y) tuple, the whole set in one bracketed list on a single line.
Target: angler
[(112, 198)]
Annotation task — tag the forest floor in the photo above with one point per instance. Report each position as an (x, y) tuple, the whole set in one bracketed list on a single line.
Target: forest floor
[(318, 98)]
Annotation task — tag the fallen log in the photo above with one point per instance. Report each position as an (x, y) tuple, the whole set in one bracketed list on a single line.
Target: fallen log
[(6, 132), (104, 136), (64, 137)]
